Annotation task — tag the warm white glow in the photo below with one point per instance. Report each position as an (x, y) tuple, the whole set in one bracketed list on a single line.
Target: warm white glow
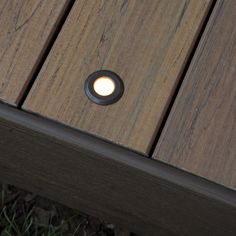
[(104, 86)]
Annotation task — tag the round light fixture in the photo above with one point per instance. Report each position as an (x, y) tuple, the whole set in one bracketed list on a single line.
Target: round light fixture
[(104, 87)]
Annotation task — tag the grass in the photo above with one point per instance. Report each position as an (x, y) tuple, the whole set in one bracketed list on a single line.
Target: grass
[(25, 214)]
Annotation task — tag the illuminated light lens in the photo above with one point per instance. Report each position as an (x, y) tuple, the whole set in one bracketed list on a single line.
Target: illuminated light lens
[(104, 86)]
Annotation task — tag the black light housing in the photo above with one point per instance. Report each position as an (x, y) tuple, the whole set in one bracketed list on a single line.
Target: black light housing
[(104, 87)]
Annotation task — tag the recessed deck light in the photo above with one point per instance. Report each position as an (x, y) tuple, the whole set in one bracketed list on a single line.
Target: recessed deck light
[(104, 87)]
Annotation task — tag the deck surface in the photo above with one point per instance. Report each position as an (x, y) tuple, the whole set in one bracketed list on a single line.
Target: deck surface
[(200, 135), (26, 28), (178, 63), (145, 42)]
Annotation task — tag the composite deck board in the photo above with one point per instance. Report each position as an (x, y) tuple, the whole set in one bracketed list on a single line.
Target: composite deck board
[(104, 180), (26, 27), (200, 134), (147, 43)]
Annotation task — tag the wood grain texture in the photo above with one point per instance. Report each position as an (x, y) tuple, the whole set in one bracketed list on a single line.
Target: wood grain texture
[(26, 27), (200, 135), (110, 182), (145, 42)]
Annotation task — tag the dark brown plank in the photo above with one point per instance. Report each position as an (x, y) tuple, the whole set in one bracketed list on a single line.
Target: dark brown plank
[(200, 134), (26, 29), (110, 182), (145, 42)]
